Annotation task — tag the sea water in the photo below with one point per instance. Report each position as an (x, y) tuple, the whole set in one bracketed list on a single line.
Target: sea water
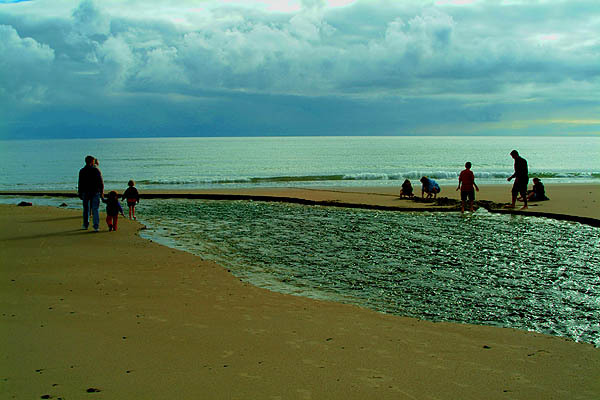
[(199, 163)]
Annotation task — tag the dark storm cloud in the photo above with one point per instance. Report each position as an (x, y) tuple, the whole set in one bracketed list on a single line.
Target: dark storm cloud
[(85, 68)]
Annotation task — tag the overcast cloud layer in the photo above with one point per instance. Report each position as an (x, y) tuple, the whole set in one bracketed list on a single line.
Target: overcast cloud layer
[(313, 67)]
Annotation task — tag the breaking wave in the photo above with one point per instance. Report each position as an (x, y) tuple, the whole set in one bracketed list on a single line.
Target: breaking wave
[(362, 176)]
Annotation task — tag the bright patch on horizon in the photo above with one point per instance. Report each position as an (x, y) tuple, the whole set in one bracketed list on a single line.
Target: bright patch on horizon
[(340, 3), (552, 37), (454, 2), (575, 121), (270, 5), (178, 20), (288, 5)]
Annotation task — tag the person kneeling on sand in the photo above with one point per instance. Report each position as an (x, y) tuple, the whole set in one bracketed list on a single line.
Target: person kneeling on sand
[(467, 187), (538, 192), (113, 209), (430, 187), (406, 190)]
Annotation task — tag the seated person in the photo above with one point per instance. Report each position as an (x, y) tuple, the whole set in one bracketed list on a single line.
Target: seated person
[(407, 189), (538, 193), (430, 187)]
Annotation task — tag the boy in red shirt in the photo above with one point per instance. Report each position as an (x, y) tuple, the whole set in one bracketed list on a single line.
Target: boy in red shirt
[(467, 186)]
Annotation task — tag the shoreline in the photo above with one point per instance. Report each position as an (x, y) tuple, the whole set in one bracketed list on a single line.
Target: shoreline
[(130, 318), (572, 202)]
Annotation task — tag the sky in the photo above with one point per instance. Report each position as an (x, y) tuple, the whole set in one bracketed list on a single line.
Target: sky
[(156, 68)]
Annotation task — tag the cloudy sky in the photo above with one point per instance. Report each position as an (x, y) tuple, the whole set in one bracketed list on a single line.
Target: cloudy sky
[(113, 68)]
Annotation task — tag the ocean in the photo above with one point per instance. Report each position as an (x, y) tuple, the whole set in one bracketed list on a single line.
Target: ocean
[(522, 272), (203, 163)]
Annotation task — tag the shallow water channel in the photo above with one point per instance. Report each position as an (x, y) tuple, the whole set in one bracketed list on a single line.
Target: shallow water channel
[(523, 272)]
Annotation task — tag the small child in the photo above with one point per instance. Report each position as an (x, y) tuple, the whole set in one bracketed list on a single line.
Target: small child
[(113, 209), (133, 197), (407, 189)]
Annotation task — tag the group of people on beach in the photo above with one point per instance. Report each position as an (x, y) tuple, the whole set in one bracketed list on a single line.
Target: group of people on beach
[(90, 188), (467, 185)]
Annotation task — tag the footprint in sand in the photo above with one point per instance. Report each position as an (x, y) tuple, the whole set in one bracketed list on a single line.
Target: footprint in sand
[(255, 331), (248, 376), (227, 353), (155, 318), (305, 394), (197, 326), (293, 344)]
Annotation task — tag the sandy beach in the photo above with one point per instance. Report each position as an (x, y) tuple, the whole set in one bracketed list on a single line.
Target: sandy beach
[(114, 316)]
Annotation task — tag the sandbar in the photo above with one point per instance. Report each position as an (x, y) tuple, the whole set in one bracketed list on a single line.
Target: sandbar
[(577, 202)]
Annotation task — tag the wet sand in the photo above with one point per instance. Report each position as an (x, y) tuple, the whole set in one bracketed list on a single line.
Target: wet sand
[(575, 200), (114, 316)]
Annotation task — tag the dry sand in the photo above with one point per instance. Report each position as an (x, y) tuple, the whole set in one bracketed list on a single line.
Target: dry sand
[(134, 320)]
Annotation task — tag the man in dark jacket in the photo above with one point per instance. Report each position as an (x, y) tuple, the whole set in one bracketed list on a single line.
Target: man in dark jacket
[(90, 188), (521, 176)]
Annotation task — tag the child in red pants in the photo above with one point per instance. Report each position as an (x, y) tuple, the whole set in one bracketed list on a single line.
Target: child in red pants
[(113, 209)]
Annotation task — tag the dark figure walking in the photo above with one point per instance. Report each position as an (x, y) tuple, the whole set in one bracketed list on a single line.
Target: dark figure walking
[(90, 188), (521, 176)]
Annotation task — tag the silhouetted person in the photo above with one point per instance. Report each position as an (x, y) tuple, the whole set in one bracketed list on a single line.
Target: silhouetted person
[(133, 197), (521, 176), (538, 192), (90, 187), (407, 189), (113, 209)]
